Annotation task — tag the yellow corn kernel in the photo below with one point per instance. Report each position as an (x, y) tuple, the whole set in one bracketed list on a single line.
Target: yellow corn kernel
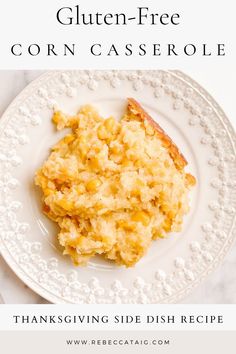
[(57, 117), (116, 150), (65, 204), (171, 214), (149, 129), (97, 149), (82, 139), (47, 191), (167, 225), (126, 225), (80, 189), (135, 193), (94, 163), (93, 185), (102, 132), (151, 168), (164, 207), (51, 185), (110, 124), (139, 183), (72, 122), (116, 158), (125, 162), (114, 188), (99, 206), (167, 163), (137, 188), (106, 240), (68, 138), (157, 233), (141, 216), (190, 180), (138, 163), (83, 151), (131, 155), (74, 243)]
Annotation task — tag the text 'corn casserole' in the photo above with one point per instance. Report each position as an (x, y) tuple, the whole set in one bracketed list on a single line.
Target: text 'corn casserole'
[(113, 186)]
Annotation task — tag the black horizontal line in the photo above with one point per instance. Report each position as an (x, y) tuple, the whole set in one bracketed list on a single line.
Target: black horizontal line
[(131, 18)]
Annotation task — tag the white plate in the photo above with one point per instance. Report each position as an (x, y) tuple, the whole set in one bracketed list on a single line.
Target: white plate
[(173, 266)]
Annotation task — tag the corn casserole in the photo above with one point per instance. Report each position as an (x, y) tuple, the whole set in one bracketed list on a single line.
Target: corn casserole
[(113, 186)]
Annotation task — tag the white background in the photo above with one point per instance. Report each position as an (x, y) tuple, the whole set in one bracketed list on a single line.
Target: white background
[(226, 312), (202, 21)]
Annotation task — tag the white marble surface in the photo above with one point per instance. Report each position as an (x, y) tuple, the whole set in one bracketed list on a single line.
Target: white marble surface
[(219, 287)]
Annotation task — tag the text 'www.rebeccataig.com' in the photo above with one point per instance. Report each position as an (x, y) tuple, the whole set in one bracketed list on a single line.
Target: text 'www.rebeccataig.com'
[(118, 342)]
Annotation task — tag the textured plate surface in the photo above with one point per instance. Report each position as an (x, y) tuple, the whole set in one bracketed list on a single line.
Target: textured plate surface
[(173, 266)]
